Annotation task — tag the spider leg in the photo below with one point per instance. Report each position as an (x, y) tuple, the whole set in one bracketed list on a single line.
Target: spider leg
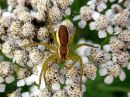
[(45, 44), (50, 23), (79, 45), (45, 66), (76, 58), (84, 44), (72, 36)]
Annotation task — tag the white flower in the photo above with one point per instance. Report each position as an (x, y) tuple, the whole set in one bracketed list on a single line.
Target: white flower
[(85, 60), (55, 86), (128, 66), (9, 79), (68, 12), (107, 56), (87, 51), (84, 79), (128, 94), (2, 88), (25, 94), (90, 71), (68, 81), (102, 71), (83, 88), (1, 80), (108, 79), (101, 24), (75, 18), (106, 48), (30, 80), (25, 16), (97, 5), (102, 34), (110, 29), (20, 57), (92, 26), (120, 19), (82, 24), (95, 15), (122, 75), (34, 90), (36, 56), (62, 79), (80, 50), (63, 4), (20, 83), (85, 13)]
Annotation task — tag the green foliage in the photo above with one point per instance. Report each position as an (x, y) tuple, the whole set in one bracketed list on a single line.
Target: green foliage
[(3, 4)]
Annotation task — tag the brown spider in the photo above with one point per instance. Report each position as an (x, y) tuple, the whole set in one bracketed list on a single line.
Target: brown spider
[(63, 50)]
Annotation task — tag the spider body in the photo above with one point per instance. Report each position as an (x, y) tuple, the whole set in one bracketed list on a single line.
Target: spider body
[(63, 39), (62, 49)]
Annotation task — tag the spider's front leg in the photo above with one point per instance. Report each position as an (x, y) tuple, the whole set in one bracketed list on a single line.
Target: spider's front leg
[(79, 45), (84, 44), (45, 66), (76, 58)]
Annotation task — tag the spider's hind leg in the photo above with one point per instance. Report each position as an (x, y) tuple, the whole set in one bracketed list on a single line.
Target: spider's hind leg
[(45, 67), (76, 58)]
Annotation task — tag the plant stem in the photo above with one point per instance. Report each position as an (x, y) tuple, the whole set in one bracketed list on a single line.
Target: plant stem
[(113, 88)]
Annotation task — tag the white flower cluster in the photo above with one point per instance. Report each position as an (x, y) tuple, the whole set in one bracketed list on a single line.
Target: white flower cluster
[(25, 22), (112, 58), (104, 19)]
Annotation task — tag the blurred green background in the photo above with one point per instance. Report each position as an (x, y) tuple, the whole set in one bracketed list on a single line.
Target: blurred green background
[(95, 88)]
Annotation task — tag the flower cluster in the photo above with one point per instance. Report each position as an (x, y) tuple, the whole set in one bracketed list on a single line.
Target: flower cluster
[(25, 22), (104, 19)]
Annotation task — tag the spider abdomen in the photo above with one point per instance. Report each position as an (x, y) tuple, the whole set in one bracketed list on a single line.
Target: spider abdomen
[(63, 35)]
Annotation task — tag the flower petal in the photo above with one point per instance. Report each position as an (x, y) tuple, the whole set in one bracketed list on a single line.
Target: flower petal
[(55, 86), (76, 18), (95, 15), (1, 80), (9, 79), (20, 83), (102, 34), (110, 29), (108, 79), (122, 75), (92, 26), (102, 71), (68, 12), (25, 94), (107, 48), (128, 66), (2, 88), (82, 24)]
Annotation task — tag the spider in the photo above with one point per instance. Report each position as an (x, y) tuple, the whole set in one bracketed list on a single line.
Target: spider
[(63, 49)]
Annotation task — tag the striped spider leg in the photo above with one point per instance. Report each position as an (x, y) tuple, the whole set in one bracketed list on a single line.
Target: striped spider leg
[(53, 48), (75, 57)]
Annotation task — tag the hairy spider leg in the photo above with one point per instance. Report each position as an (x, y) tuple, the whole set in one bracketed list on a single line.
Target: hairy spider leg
[(51, 27), (45, 67), (79, 45), (72, 36), (76, 58), (44, 44), (84, 44)]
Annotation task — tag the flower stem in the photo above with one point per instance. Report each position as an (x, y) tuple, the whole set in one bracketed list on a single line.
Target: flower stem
[(113, 88)]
